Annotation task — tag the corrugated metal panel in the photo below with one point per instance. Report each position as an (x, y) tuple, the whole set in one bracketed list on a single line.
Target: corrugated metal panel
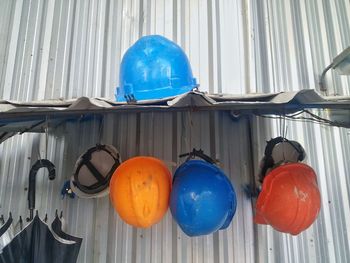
[(51, 49), (293, 42), (69, 49), (163, 135), (73, 48), (328, 239)]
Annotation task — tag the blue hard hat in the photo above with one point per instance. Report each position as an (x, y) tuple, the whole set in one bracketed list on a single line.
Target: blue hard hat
[(202, 200), (154, 68)]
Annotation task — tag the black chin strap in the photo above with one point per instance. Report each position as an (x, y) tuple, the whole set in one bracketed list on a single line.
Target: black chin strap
[(268, 160)]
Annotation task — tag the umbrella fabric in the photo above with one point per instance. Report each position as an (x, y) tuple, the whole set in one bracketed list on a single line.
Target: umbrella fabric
[(37, 244), (6, 233), (56, 227)]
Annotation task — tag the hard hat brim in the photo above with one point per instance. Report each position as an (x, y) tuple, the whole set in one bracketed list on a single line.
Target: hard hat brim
[(82, 194)]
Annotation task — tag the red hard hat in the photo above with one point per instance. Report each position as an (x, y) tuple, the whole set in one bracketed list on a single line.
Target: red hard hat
[(290, 200)]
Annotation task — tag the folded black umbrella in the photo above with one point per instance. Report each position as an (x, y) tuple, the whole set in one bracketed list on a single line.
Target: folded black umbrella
[(37, 244)]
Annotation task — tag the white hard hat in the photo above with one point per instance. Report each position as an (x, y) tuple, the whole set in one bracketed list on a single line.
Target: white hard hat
[(93, 171)]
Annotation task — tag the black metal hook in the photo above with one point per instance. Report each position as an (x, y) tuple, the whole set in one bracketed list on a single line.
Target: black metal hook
[(32, 179), (56, 214), (20, 222)]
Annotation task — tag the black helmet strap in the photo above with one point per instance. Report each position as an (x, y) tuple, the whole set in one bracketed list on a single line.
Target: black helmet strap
[(197, 153), (268, 160), (102, 181), (272, 143)]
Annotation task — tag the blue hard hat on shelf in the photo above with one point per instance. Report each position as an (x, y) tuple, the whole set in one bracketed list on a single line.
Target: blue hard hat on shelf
[(202, 200), (154, 68)]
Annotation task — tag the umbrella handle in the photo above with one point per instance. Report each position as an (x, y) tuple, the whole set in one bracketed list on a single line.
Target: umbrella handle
[(32, 179)]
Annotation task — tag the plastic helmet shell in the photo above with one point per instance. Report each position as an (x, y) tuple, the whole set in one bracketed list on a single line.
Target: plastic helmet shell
[(140, 189), (105, 159), (290, 199), (154, 68), (202, 200)]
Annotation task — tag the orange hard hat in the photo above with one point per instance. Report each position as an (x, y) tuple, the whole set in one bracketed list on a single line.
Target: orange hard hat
[(290, 200), (140, 190)]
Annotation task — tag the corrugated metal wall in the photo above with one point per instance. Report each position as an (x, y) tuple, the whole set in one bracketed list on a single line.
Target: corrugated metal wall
[(51, 49), (293, 42), (163, 135)]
